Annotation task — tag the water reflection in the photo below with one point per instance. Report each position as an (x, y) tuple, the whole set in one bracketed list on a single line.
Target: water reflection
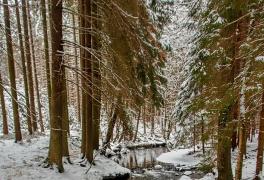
[(141, 158)]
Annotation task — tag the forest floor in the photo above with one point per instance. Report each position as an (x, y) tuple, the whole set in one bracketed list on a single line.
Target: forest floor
[(24, 162), (186, 159)]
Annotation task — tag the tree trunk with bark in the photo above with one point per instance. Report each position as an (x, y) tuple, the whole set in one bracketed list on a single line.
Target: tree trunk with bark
[(35, 69), (96, 73), (138, 118), (224, 145), (12, 73), (46, 49), (24, 68), (57, 108), (29, 66), (259, 163), (3, 107), (86, 66), (77, 68)]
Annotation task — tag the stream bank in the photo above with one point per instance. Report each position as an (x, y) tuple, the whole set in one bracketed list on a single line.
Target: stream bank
[(144, 165)]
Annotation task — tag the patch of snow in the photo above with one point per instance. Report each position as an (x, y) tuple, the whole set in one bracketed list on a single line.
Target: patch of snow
[(188, 173), (185, 178), (208, 176), (180, 157), (23, 162), (260, 58), (157, 167)]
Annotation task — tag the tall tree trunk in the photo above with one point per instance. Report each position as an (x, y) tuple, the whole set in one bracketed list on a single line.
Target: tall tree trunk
[(46, 49), (86, 58), (144, 120), (83, 69), (12, 74), (152, 122), (24, 68), (241, 36), (29, 66), (242, 132), (3, 107), (57, 108), (224, 145), (139, 114), (111, 126), (203, 135), (194, 134), (242, 143), (259, 163), (76, 67), (89, 125), (65, 118), (96, 79), (35, 68)]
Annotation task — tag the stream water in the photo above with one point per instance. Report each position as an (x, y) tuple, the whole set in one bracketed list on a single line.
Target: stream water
[(142, 163)]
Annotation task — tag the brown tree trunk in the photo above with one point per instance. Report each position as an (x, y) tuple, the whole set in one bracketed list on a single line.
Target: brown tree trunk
[(259, 163), (152, 122), (76, 67), (96, 73), (35, 68), (242, 143), (86, 65), (57, 108), (65, 117), (83, 69), (139, 114), (224, 145), (3, 107), (29, 66), (144, 120), (111, 126), (202, 134), (24, 68), (12, 74), (46, 49)]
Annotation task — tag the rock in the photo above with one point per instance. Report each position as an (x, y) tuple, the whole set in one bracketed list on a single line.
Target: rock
[(109, 153), (157, 167), (187, 173), (117, 177), (176, 174)]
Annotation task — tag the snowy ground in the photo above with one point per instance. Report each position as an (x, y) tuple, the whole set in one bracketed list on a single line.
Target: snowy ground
[(23, 162), (186, 159), (181, 157), (249, 165)]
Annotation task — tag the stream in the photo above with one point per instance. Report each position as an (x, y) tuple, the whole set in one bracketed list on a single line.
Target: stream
[(142, 163)]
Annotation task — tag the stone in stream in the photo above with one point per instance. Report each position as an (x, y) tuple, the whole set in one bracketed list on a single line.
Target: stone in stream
[(187, 173), (157, 167)]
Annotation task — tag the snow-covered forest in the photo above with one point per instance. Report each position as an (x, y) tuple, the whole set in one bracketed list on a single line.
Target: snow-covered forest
[(131, 89)]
